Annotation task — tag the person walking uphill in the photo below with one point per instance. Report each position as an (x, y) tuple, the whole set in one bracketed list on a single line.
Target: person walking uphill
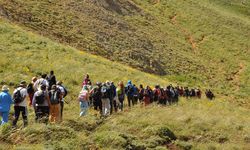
[(31, 90), (41, 104), (55, 97), (51, 78), (130, 93), (105, 100), (83, 99), (20, 104), (5, 103)]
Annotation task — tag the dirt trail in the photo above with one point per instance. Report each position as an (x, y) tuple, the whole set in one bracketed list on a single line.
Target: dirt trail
[(187, 34), (236, 75)]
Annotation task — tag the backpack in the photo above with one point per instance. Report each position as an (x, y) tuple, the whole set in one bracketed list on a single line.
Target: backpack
[(83, 96), (40, 98), (130, 89), (17, 97), (54, 97), (104, 91)]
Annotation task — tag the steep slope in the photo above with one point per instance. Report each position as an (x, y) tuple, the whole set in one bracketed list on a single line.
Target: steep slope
[(197, 124), (199, 42)]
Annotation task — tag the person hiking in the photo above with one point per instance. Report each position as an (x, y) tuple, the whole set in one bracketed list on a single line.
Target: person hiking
[(97, 97), (209, 94), (41, 104), (141, 93), (198, 93), (20, 95), (83, 100), (130, 92), (162, 97), (64, 93), (176, 95), (31, 90), (105, 100), (41, 81), (121, 94), (192, 93), (186, 92), (169, 95), (146, 96), (51, 78), (157, 93), (5, 103), (86, 80), (55, 96), (136, 95), (113, 102)]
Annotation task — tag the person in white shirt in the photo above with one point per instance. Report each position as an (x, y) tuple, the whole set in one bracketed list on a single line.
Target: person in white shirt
[(20, 103), (41, 81)]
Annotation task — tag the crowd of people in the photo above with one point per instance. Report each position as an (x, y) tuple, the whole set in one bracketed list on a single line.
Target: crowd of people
[(107, 98), (47, 96)]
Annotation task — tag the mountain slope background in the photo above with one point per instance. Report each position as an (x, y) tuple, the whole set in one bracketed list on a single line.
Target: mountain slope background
[(200, 43)]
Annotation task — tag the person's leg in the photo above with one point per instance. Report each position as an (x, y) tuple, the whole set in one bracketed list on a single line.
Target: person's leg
[(103, 107), (115, 105), (46, 114), (5, 117), (17, 114), (108, 106), (121, 104), (111, 105), (62, 106), (129, 101), (24, 115), (51, 114)]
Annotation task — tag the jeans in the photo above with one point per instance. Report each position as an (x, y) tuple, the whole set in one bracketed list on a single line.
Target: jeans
[(18, 110), (84, 108), (5, 117), (105, 106)]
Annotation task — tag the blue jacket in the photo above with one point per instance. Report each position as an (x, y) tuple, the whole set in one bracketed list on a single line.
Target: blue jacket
[(5, 101), (130, 90)]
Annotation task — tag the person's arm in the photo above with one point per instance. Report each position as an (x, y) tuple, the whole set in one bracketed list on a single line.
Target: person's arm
[(34, 101), (47, 98)]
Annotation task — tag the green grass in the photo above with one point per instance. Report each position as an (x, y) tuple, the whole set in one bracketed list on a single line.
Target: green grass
[(197, 124), (141, 34)]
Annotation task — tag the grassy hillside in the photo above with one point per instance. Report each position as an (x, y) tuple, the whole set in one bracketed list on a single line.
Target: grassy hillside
[(194, 124), (198, 42)]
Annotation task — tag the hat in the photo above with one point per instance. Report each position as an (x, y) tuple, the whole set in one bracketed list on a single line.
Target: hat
[(5, 88)]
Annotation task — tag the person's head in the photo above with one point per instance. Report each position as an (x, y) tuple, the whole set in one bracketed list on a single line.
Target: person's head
[(34, 79), (23, 84), (87, 76), (43, 87), (141, 86), (107, 82), (89, 83), (129, 82), (5, 88), (52, 72), (44, 76)]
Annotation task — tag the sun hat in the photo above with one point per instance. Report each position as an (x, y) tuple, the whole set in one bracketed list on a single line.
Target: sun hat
[(5, 88)]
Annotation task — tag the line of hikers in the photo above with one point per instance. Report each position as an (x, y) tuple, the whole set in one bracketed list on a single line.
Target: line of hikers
[(106, 97), (46, 95)]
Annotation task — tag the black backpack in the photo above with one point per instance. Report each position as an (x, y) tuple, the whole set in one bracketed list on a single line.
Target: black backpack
[(54, 97), (105, 92), (17, 97), (40, 98)]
